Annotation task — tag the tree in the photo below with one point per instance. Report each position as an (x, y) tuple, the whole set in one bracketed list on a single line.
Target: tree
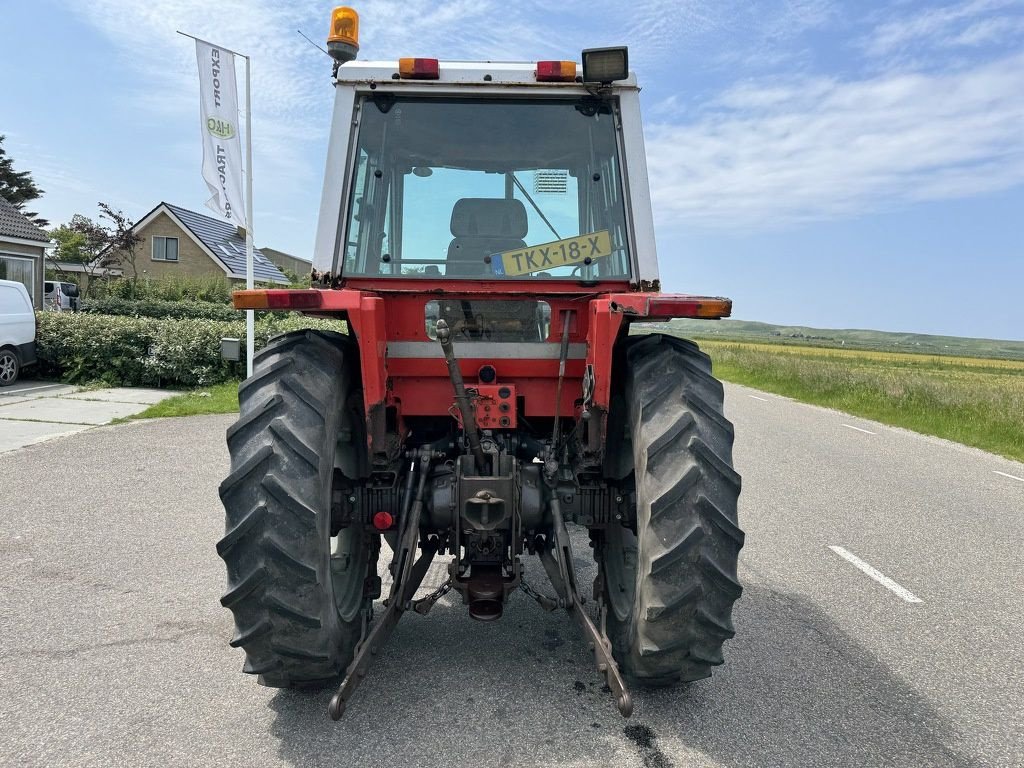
[(97, 245), (71, 242), (91, 239), (121, 237), (17, 187)]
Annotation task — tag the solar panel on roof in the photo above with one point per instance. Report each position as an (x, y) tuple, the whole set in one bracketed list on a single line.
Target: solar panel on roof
[(223, 240)]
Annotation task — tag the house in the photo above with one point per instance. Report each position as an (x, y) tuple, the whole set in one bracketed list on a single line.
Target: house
[(300, 266), (180, 242), (22, 250), (80, 270)]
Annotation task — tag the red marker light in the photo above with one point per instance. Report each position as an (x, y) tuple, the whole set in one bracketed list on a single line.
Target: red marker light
[(383, 521), (556, 71), (419, 69)]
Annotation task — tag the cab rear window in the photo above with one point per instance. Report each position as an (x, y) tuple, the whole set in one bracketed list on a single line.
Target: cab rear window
[(487, 189)]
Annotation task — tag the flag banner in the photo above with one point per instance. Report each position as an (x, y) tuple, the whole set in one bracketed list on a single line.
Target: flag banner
[(222, 149)]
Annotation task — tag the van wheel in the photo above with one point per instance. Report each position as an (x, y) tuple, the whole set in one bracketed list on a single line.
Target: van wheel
[(9, 367)]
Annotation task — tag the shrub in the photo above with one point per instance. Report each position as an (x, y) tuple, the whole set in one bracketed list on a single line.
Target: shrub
[(178, 310), (213, 289), (145, 351)]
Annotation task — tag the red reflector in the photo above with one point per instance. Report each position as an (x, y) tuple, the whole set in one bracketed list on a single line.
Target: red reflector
[(556, 71), (419, 69), (383, 521), (277, 299)]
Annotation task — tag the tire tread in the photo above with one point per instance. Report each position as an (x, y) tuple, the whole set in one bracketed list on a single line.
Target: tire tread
[(687, 539), (276, 497)]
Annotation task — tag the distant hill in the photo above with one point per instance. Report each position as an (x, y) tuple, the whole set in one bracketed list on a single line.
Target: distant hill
[(883, 341)]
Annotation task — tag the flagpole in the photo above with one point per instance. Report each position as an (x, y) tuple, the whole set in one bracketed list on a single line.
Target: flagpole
[(250, 315)]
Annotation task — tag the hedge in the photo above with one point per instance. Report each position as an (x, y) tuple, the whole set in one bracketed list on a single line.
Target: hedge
[(179, 310), (178, 288), (149, 352)]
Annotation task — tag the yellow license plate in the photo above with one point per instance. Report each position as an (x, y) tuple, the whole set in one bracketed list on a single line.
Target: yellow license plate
[(537, 258)]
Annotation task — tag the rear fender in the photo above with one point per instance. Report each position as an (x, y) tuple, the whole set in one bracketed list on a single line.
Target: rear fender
[(377, 317)]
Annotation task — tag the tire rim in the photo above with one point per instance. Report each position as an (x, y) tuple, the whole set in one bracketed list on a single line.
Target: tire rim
[(8, 368), (349, 561), (620, 570)]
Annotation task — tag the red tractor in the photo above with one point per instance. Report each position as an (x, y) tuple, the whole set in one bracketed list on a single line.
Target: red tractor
[(486, 235)]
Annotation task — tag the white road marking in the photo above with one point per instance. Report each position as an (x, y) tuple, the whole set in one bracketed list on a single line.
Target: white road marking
[(762, 399), (1012, 477), (877, 575), (865, 431)]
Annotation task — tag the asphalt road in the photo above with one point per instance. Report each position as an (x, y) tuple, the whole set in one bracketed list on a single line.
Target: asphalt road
[(113, 646)]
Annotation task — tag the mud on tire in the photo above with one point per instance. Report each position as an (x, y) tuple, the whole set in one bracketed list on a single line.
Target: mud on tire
[(671, 586), (298, 607)]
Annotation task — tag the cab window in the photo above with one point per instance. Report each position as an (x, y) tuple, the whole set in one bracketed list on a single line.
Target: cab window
[(485, 189)]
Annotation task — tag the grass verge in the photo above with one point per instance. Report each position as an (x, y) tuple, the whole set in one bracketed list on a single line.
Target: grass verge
[(219, 398), (978, 402)]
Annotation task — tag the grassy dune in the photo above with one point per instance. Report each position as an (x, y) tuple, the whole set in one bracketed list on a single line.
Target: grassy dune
[(975, 401)]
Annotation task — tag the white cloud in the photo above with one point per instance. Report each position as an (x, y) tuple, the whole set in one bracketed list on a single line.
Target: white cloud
[(790, 149), (291, 92), (767, 154), (989, 31), (964, 24), (724, 30)]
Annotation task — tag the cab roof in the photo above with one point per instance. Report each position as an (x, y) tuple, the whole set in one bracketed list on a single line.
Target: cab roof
[(462, 72)]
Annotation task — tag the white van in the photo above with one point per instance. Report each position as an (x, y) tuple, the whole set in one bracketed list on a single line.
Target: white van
[(17, 331), (60, 297)]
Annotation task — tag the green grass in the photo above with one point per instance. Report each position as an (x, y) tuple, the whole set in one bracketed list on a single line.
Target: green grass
[(219, 398), (975, 401)]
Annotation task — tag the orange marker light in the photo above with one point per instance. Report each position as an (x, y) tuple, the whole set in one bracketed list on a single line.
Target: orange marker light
[(708, 307), (556, 71), (280, 298), (419, 69)]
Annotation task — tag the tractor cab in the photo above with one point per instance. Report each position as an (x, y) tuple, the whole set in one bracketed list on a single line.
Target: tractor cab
[(506, 172)]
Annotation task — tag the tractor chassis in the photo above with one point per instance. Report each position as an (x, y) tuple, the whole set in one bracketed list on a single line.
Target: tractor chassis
[(490, 498), (554, 550)]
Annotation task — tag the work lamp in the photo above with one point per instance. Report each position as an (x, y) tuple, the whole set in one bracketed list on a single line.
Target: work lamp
[(605, 65)]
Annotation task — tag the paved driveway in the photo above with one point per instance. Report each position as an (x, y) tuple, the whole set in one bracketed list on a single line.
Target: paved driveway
[(32, 411)]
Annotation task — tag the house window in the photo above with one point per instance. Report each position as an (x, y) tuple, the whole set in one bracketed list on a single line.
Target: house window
[(165, 249), (22, 270)]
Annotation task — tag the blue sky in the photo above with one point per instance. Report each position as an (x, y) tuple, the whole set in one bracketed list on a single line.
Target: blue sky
[(833, 164)]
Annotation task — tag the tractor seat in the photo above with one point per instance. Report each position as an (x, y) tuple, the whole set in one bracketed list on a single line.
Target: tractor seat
[(482, 226)]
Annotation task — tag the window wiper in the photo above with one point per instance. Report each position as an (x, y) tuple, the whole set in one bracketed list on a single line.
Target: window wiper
[(535, 206)]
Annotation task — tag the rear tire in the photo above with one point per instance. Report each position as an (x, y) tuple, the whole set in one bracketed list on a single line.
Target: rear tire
[(298, 606), (671, 586)]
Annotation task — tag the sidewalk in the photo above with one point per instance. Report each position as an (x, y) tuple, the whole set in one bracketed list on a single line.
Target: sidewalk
[(32, 411)]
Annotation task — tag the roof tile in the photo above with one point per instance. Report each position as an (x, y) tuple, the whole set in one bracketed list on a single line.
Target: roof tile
[(13, 223)]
